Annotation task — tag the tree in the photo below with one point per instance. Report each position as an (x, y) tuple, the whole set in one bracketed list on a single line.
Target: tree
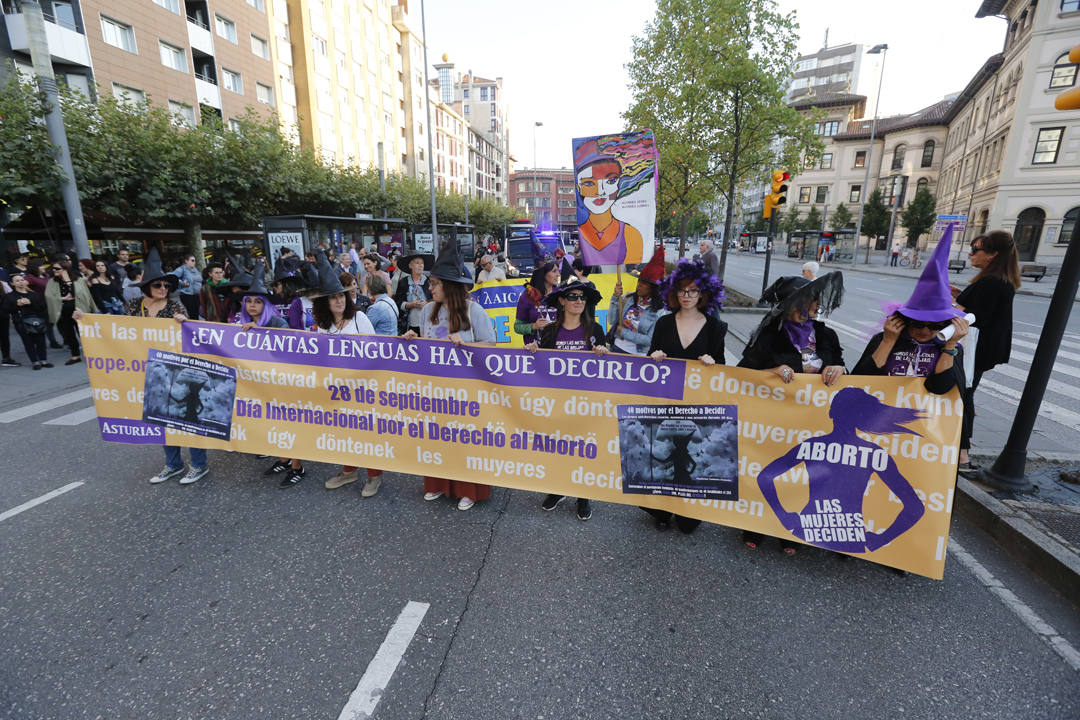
[(812, 220), (841, 218), (712, 90), (29, 173), (919, 216), (875, 222), (791, 221)]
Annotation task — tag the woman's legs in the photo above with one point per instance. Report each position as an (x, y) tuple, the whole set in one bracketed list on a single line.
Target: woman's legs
[(968, 425), (69, 331), (5, 336), (191, 304)]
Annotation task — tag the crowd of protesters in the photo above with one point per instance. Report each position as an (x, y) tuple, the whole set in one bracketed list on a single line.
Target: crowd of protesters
[(672, 313)]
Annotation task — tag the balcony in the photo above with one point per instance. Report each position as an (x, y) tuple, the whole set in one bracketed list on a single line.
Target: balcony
[(66, 43), (208, 91), (199, 35)]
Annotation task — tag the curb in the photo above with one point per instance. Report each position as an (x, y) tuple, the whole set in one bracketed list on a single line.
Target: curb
[(1051, 560)]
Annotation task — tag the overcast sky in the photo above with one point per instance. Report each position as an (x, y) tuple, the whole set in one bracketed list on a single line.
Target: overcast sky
[(562, 61)]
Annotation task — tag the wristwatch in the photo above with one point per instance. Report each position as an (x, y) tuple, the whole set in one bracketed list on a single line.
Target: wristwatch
[(947, 351)]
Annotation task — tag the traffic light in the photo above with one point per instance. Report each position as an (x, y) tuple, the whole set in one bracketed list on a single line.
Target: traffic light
[(778, 196), (1070, 99)]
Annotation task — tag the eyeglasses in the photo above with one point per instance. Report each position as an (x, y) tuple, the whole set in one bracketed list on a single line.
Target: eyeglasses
[(159, 285), (690, 292), (574, 297), (975, 250)]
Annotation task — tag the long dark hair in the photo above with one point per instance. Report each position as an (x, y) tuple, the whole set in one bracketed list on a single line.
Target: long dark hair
[(324, 318), (656, 301), (587, 320), (457, 307), (1005, 266), (537, 288)]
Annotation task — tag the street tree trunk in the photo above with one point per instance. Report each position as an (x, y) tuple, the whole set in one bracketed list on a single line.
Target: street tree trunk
[(196, 246)]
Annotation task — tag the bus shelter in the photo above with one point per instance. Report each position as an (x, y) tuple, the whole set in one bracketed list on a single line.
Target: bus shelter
[(304, 233)]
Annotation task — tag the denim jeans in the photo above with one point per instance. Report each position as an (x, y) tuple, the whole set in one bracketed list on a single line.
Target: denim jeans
[(174, 460)]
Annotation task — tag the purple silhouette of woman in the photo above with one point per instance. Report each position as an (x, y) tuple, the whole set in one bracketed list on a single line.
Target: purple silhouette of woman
[(840, 466)]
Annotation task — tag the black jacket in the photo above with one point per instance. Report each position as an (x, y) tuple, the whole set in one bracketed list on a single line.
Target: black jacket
[(991, 301), (937, 383), (709, 341), (773, 348)]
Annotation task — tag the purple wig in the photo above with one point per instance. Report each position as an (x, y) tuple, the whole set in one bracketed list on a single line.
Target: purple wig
[(268, 312), (694, 270)]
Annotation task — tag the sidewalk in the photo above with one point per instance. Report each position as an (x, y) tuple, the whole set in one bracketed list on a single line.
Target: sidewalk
[(18, 384), (1040, 528), (879, 266)]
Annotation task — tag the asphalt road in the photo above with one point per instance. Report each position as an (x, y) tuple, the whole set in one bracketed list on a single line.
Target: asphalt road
[(861, 316), (232, 598)]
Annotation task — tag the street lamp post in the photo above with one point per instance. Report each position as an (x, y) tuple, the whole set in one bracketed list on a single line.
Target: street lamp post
[(536, 184), (876, 50), (430, 156)]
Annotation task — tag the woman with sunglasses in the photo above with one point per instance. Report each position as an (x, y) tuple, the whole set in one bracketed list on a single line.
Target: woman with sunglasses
[(989, 297), (690, 332), (66, 294), (574, 329)]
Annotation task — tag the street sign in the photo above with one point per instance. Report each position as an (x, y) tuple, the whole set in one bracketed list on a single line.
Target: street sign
[(959, 222)]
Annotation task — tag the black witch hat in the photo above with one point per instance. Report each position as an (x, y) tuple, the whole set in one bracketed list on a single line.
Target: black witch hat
[(329, 283), (287, 268), (449, 267), (258, 284), (592, 295), (152, 270), (240, 277)]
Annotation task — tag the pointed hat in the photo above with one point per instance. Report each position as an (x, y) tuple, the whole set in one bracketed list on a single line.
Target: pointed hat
[(654, 270), (329, 282), (449, 266), (931, 301), (258, 284), (152, 270)]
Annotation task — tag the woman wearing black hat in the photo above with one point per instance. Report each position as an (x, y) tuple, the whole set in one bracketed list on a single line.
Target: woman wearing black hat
[(690, 332), (413, 290), (790, 340), (452, 316), (574, 329)]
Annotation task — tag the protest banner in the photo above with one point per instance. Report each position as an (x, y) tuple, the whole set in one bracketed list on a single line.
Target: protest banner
[(616, 180), (865, 467), (499, 299)]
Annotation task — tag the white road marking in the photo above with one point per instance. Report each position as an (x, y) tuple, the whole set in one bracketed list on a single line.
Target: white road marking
[(1058, 367), (1064, 343), (366, 696), (1054, 386), (75, 418), (45, 405), (1047, 410), (1060, 353), (37, 501), (1028, 616)]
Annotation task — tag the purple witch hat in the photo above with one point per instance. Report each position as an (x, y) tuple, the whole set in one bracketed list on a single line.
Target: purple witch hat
[(931, 301)]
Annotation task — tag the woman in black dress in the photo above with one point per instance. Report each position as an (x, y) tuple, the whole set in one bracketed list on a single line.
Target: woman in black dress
[(690, 332), (989, 298), (790, 339)]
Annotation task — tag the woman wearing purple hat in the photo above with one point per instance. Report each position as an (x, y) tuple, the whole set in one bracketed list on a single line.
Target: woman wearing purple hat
[(910, 344)]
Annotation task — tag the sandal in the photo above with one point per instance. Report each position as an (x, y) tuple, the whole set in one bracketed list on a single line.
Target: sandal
[(967, 469)]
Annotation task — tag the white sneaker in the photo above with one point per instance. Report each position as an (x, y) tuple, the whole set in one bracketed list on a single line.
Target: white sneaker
[(166, 473), (371, 486), (465, 503), (194, 473), (433, 495)]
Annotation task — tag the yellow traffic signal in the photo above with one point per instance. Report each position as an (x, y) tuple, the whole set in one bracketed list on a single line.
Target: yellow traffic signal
[(1070, 99), (778, 196)]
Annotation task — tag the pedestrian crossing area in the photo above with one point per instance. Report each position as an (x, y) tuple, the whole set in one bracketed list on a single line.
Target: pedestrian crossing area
[(1005, 383), (44, 411)]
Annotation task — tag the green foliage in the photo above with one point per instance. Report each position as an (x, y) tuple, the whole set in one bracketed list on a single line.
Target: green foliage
[(919, 216), (876, 218), (756, 223), (791, 221), (841, 218), (812, 221), (29, 170), (709, 76)]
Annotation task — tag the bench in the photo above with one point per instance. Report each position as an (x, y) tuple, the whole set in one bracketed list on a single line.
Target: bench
[(1035, 272), (957, 265)]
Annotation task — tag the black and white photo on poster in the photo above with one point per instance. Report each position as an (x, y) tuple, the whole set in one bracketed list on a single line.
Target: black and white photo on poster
[(278, 241), (187, 393), (688, 451)]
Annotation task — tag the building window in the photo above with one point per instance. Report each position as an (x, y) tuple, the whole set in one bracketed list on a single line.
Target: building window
[(494, 124), (898, 157), (235, 125), (855, 194), (259, 5), (260, 47), (128, 96), (171, 5), (830, 128), (118, 34), (173, 57), (466, 109), (1068, 228), (483, 93), (927, 154), (465, 94), (1064, 74), (922, 183), (1047, 146), (492, 109), (1029, 226), (264, 94), (183, 114), (232, 81), (804, 194), (1070, 5), (821, 194), (826, 161), (225, 28), (860, 159)]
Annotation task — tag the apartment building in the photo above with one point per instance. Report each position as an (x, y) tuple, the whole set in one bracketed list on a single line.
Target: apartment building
[(1012, 161), (829, 71), (65, 31), (547, 196)]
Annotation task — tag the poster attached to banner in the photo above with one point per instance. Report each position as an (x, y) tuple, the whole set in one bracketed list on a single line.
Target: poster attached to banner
[(866, 466), (616, 196), (277, 241), (499, 298), (689, 451), (190, 394)]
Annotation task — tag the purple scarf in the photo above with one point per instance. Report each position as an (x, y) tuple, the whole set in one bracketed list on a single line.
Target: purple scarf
[(799, 332)]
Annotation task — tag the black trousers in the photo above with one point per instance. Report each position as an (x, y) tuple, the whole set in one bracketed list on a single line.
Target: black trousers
[(69, 330), (687, 525), (34, 344), (191, 304), (5, 336), (968, 425)]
